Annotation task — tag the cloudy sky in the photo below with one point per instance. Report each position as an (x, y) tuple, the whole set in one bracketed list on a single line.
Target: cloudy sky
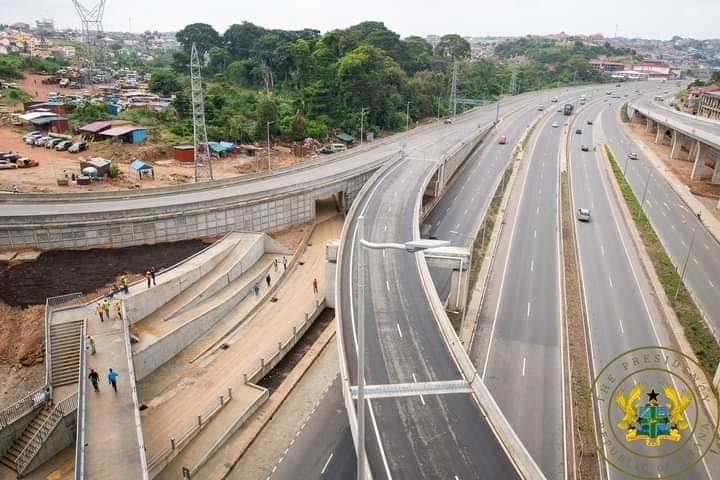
[(635, 18)]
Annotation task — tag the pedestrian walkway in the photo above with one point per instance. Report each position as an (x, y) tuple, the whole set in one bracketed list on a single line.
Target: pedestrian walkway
[(174, 404), (111, 443)]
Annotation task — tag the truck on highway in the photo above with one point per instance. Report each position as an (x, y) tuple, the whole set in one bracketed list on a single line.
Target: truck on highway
[(568, 109)]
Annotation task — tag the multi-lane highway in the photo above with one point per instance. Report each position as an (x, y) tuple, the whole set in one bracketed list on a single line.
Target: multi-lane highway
[(674, 222), (621, 308)]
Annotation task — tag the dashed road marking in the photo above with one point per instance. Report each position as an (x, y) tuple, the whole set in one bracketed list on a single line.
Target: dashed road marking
[(322, 472), (523, 369), (398, 329)]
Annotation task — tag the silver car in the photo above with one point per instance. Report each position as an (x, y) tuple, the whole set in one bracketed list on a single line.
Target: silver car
[(583, 214)]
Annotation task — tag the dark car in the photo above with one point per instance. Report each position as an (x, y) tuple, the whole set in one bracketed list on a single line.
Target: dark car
[(584, 148), (578, 131), (589, 122)]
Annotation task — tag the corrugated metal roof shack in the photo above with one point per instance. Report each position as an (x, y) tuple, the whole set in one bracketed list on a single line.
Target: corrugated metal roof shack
[(53, 124), (94, 129), (126, 134), (184, 153)]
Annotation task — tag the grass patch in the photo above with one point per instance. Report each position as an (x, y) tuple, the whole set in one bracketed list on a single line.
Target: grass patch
[(697, 333)]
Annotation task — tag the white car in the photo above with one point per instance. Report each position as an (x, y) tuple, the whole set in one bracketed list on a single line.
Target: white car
[(555, 124), (583, 214)]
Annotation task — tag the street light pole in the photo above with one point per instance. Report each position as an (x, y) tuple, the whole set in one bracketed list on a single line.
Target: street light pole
[(363, 111), (361, 354), (687, 257)]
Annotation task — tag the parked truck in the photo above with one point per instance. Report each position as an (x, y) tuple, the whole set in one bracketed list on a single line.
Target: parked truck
[(568, 109)]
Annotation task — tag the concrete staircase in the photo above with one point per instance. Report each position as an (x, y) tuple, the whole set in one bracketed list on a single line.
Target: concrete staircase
[(65, 352), (9, 459)]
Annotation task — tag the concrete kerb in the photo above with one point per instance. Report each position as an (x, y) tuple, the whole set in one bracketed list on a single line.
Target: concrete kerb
[(517, 453), (342, 359), (661, 299), (707, 219), (479, 289)]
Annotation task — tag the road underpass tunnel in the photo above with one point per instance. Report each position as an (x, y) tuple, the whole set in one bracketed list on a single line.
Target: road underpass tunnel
[(330, 206)]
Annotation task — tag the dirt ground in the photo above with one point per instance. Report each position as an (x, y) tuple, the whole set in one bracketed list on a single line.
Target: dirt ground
[(703, 190), (25, 286), (168, 172)]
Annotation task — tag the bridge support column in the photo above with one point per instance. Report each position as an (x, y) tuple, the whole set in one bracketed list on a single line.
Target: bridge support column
[(698, 161), (660, 137), (457, 260), (328, 287), (650, 125), (716, 170), (677, 144)]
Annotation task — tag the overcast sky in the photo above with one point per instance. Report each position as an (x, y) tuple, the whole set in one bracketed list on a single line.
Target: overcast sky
[(635, 18)]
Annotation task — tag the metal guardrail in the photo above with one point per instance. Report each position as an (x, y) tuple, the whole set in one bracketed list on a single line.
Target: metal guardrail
[(63, 408), (35, 399), (80, 422)]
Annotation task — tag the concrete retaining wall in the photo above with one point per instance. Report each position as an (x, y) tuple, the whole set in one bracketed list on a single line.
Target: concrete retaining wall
[(174, 281), (149, 359), (263, 212)]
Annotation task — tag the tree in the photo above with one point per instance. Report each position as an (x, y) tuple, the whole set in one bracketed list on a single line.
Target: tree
[(165, 82), (416, 54), (240, 38), (203, 35), (453, 46), (266, 111), (715, 77)]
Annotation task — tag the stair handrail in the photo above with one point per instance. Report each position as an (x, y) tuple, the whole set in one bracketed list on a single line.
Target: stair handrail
[(35, 399), (33, 446), (80, 423)]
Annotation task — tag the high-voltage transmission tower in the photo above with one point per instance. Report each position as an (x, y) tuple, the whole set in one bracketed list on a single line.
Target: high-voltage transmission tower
[(452, 110), (92, 32), (200, 141)]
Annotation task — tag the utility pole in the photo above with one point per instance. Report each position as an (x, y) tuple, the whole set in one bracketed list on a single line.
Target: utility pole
[(687, 257), (200, 141), (363, 111), (268, 145), (497, 111), (407, 116), (453, 90), (513, 79)]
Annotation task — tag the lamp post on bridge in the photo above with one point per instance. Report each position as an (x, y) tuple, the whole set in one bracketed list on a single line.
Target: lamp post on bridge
[(410, 247)]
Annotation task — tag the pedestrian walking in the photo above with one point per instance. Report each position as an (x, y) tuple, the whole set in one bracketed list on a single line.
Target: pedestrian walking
[(275, 264), (118, 309), (91, 344), (100, 309), (47, 399), (284, 264), (148, 277), (124, 284), (268, 279), (256, 289), (152, 273), (94, 379), (112, 379), (315, 285), (106, 308)]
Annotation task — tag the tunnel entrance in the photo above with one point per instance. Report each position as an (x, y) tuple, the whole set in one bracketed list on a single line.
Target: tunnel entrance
[(328, 207)]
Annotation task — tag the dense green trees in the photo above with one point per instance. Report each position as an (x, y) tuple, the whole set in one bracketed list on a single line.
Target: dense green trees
[(165, 82), (312, 84)]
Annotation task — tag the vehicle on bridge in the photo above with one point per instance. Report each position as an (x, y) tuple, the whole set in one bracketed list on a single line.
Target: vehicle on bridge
[(502, 140), (568, 109), (584, 148), (633, 156)]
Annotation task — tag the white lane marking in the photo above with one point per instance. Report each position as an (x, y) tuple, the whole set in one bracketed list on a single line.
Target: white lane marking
[(458, 226), (532, 265), (711, 283), (383, 253), (706, 246), (673, 226), (523, 371), (528, 309), (385, 228), (539, 191), (602, 249), (683, 243), (389, 209), (422, 399), (537, 210), (387, 285), (534, 233), (695, 260), (322, 472), (398, 328), (611, 282), (621, 325)]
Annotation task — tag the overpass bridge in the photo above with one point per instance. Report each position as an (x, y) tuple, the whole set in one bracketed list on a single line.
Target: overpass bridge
[(696, 140)]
